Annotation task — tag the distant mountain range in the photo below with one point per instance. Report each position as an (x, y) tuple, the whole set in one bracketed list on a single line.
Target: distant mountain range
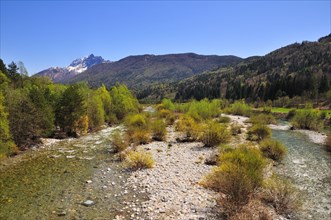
[(61, 74), (139, 71)]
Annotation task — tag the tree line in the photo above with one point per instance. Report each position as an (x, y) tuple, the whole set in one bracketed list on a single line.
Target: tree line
[(33, 107)]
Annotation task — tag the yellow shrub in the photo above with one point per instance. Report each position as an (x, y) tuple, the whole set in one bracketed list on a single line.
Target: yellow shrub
[(118, 142), (138, 160), (189, 127), (214, 134), (159, 130), (139, 136)]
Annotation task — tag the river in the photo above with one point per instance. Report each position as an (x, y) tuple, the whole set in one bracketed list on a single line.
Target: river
[(308, 165), (53, 182)]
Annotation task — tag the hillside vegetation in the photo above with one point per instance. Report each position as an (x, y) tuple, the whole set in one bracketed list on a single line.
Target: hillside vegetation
[(139, 72), (299, 69)]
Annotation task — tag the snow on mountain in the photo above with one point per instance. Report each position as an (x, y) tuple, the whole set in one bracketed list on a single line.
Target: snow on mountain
[(58, 74)]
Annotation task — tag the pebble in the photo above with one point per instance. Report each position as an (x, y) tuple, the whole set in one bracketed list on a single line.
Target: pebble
[(88, 203), (88, 181)]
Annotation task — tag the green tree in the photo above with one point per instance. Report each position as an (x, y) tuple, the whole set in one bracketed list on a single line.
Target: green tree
[(71, 107), (7, 146), (95, 112), (123, 102), (104, 95), (24, 124)]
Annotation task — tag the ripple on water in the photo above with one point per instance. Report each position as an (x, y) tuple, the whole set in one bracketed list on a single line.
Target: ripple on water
[(308, 165)]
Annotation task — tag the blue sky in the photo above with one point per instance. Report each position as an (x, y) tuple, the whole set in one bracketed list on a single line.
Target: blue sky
[(53, 33)]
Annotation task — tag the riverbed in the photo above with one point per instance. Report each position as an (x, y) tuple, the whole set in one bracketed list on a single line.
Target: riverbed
[(308, 166), (54, 182)]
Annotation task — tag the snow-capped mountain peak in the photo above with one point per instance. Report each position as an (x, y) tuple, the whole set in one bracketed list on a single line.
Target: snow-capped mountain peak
[(58, 74), (81, 64)]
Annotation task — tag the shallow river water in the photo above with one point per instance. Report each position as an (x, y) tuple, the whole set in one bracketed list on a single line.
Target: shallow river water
[(308, 165), (52, 183)]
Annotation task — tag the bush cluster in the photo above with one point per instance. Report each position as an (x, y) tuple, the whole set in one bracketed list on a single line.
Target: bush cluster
[(263, 119), (188, 126), (258, 132), (214, 134), (273, 149), (239, 108), (136, 160), (239, 174), (159, 130), (307, 119), (119, 143), (282, 195)]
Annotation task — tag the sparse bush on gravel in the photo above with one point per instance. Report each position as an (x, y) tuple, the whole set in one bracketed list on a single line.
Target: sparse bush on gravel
[(159, 130), (273, 149), (136, 160), (239, 108), (263, 119), (189, 127), (258, 132), (214, 134), (307, 119), (282, 195), (139, 136), (235, 129), (136, 120), (119, 143), (239, 174)]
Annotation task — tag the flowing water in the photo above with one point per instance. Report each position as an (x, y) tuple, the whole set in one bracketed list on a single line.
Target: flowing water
[(51, 183), (308, 165)]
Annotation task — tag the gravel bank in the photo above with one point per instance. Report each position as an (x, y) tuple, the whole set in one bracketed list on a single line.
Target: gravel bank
[(172, 184)]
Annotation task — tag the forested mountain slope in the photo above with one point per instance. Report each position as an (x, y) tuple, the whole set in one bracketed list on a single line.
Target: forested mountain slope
[(295, 70)]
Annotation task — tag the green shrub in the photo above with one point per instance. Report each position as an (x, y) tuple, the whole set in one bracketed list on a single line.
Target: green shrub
[(119, 143), (307, 119), (239, 174), (258, 132), (224, 119), (167, 115), (263, 119), (188, 126), (136, 120), (235, 129), (240, 108), (136, 160), (273, 149), (214, 134), (167, 104), (159, 130), (201, 110), (139, 136), (282, 195)]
